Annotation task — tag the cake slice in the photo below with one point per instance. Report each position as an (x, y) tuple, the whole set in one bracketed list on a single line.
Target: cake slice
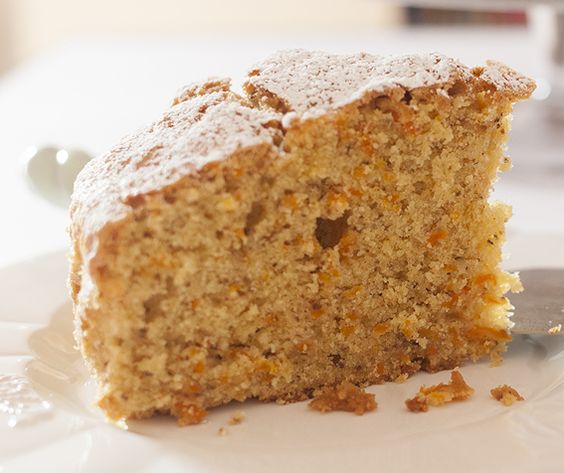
[(330, 225)]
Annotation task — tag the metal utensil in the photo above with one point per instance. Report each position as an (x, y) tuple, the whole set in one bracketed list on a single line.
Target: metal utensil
[(52, 171), (539, 309)]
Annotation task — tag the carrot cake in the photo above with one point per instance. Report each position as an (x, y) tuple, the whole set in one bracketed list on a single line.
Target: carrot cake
[(329, 224)]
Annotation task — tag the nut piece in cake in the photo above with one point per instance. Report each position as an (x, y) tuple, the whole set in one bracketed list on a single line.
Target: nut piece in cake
[(506, 394), (344, 397), (456, 390)]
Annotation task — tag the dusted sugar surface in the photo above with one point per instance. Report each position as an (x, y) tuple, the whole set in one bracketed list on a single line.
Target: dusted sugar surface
[(331, 225), (216, 122), (207, 122), (313, 82)]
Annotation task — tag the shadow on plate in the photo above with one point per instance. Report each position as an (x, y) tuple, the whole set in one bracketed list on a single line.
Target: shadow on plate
[(57, 369)]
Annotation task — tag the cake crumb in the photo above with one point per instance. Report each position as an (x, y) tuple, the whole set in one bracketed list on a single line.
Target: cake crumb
[(237, 418), (555, 330), (456, 390), (507, 395), (417, 404), (222, 431), (344, 397)]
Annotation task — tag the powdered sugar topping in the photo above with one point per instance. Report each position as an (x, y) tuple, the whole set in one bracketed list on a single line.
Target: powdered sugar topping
[(311, 83), (208, 122), (198, 129)]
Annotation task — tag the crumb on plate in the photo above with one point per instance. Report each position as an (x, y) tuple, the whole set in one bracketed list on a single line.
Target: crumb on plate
[(222, 431), (456, 390), (237, 418), (417, 404), (506, 394), (344, 397)]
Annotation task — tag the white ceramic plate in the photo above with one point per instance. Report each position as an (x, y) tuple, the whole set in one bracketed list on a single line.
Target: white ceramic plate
[(479, 435)]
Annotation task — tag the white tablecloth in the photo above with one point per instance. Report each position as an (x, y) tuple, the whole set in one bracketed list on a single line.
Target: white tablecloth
[(89, 93)]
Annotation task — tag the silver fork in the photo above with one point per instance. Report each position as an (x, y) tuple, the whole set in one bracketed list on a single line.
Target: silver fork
[(539, 309)]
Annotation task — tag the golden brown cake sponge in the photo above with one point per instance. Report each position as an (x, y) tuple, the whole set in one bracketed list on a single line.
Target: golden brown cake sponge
[(331, 224)]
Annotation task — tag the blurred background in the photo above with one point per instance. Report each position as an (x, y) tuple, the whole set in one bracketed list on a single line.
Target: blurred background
[(30, 27), (78, 75)]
